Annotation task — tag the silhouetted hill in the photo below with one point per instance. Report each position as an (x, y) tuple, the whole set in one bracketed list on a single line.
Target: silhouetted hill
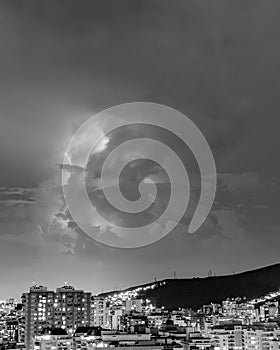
[(194, 292)]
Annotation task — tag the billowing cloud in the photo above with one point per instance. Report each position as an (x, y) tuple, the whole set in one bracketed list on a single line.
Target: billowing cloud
[(216, 62)]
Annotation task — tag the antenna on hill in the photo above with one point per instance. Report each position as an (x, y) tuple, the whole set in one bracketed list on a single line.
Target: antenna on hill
[(175, 275)]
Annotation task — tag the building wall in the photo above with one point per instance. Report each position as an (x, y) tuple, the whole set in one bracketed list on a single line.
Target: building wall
[(66, 308)]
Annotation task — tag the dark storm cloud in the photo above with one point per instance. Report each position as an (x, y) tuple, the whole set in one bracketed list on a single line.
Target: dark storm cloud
[(216, 61), (16, 196)]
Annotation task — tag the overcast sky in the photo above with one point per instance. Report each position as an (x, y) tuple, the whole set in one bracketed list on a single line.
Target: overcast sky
[(63, 61)]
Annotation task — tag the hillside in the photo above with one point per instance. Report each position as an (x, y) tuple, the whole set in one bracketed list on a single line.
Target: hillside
[(194, 292)]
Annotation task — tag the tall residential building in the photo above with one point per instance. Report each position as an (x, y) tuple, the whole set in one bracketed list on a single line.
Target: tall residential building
[(99, 312), (65, 308), (261, 339), (228, 337)]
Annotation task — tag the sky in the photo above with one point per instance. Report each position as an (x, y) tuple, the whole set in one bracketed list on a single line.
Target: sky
[(61, 62)]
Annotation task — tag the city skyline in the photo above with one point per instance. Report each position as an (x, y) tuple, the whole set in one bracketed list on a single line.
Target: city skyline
[(69, 318), (63, 62)]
